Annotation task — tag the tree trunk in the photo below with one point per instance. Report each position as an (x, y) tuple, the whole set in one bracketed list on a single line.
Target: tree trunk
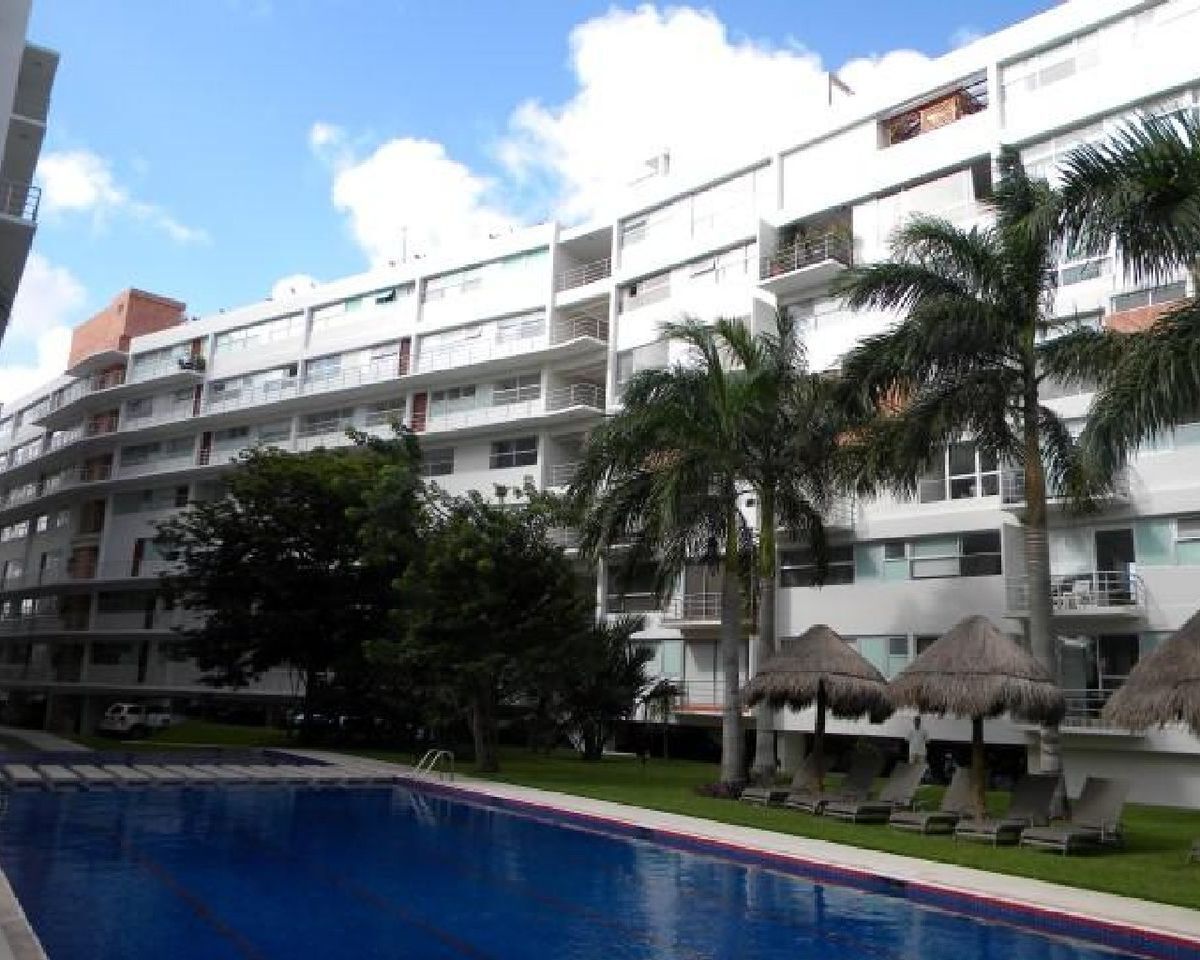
[(764, 716), (818, 747), (593, 742), (731, 631), (978, 773), (483, 731), (1037, 567)]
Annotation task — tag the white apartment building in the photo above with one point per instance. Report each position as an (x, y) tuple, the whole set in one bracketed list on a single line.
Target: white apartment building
[(504, 357), (26, 77)]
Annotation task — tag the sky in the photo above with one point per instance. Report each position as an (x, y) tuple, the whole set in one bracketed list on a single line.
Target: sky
[(217, 151)]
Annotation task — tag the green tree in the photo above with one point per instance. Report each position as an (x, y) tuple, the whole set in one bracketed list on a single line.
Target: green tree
[(660, 483), (488, 595), (601, 680), (275, 566), (967, 357), (1140, 189)]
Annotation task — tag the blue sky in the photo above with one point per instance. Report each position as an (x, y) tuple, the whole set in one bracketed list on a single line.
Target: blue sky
[(206, 150)]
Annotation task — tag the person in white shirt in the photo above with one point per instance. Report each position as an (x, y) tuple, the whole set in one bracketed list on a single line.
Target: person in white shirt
[(918, 742)]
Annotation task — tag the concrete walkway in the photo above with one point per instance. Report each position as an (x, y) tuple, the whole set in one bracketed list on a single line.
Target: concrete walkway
[(40, 740), (1035, 895)]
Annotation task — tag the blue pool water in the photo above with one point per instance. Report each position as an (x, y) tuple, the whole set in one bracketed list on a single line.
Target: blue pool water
[(366, 873)]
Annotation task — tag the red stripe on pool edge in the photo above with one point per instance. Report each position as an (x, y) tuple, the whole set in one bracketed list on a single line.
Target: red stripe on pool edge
[(1171, 940)]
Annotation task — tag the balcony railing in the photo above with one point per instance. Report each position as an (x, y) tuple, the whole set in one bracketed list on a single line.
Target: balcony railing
[(563, 537), (167, 366), (351, 377), (1012, 488), (468, 352), (703, 693), (695, 607), (20, 200), (269, 392), (578, 326), (632, 603), (584, 274), (562, 474), (476, 416), (576, 395), (806, 253), (1095, 593)]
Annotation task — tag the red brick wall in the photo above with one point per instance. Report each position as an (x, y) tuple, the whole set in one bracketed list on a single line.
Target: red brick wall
[(1137, 319), (131, 314)]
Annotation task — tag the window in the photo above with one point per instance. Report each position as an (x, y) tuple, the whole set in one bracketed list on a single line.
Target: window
[(1166, 293), (652, 356), (111, 654), (797, 569), (453, 400), (517, 389), (260, 334), (137, 454), (383, 412), (522, 452), (813, 314), (1187, 540), (1091, 268), (42, 523), (965, 555), (232, 435), (645, 292), (181, 496), (633, 232), (962, 472), (527, 327), (438, 462), (273, 433), (137, 409), (327, 422), (154, 362), (178, 447), (323, 368)]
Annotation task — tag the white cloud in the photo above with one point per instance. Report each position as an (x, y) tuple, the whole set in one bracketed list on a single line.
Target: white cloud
[(651, 79), (963, 36), (406, 196), (83, 182), (38, 339), (291, 285)]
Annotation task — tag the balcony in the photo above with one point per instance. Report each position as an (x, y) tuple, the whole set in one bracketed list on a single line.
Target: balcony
[(1012, 491), (805, 263), (703, 695), (583, 274), (189, 369), (577, 327), (20, 200), (350, 378), (694, 608), (575, 395), (468, 353), (66, 404), (1095, 593), (563, 474), (970, 98), (641, 602)]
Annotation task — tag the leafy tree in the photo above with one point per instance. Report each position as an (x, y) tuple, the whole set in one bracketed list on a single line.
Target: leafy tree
[(661, 479), (601, 681), (488, 595), (967, 358), (276, 568), (1141, 188)]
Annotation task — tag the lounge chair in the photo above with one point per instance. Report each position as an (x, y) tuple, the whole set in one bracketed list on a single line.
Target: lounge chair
[(899, 792), (956, 804), (1095, 819), (857, 786), (804, 781), (1031, 803)]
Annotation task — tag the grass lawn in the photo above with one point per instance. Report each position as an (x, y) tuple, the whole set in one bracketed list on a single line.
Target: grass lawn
[(1153, 865), (193, 733)]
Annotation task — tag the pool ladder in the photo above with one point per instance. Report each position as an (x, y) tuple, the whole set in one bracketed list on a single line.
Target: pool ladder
[(429, 763)]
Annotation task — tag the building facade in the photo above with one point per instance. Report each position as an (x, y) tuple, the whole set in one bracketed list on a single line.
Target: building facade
[(504, 357)]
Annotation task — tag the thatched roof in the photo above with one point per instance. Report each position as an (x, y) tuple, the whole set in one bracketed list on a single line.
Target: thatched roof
[(1164, 687), (853, 686), (974, 670)]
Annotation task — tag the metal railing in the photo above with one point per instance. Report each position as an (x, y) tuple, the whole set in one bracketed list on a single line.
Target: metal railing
[(168, 366), (703, 694), (1012, 487), (632, 603), (1084, 706), (84, 388), (561, 474), (351, 377), (1091, 592), (578, 326), (269, 392), (429, 762), (476, 416), (807, 252), (74, 573), (576, 395), (584, 274), (695, 607), (20, 200), (467, 352)]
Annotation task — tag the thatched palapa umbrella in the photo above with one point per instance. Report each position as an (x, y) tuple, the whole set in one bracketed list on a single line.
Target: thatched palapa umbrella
[(821, 668), (974, 670), (1163, 688)]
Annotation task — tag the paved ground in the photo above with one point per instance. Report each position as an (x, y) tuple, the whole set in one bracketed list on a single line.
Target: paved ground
[(40, 740)]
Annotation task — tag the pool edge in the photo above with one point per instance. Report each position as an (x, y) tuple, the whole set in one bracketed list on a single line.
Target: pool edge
[(17, 935), (1123, 933)]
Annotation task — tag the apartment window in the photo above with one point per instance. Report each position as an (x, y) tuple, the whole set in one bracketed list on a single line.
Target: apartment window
[(178, 447), (138, 409), (731, 265), (261, 334), (652, 356), (452, 284), (1152, 296), (438, 462), (645, 292), (453, 400), (963, 555), (797, 568), (1077, 271), (232, 435), (522, 452), (1187, 541), (814, 313), (517, 389), (154, 362), (273, 433), (962, 472), (384, 412), (924, 641), (112, 654), (633, 232), (41, 524), (327, 422), (527, 327), (323, 368)]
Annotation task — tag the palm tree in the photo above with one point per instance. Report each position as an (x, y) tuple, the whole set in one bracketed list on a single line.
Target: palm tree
[(660, 481), (787, 447), (966, 358), (1142, 188)]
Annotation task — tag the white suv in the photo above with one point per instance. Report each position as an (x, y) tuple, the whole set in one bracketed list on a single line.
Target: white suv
[(134, 719)]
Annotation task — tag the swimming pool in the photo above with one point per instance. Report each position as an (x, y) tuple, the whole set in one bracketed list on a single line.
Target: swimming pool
[(391, 872)]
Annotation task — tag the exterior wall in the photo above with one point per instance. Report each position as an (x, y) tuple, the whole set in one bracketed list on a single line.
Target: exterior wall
[(132, 313)]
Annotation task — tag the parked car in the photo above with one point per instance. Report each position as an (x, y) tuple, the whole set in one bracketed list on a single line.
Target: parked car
[(134, 719)]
